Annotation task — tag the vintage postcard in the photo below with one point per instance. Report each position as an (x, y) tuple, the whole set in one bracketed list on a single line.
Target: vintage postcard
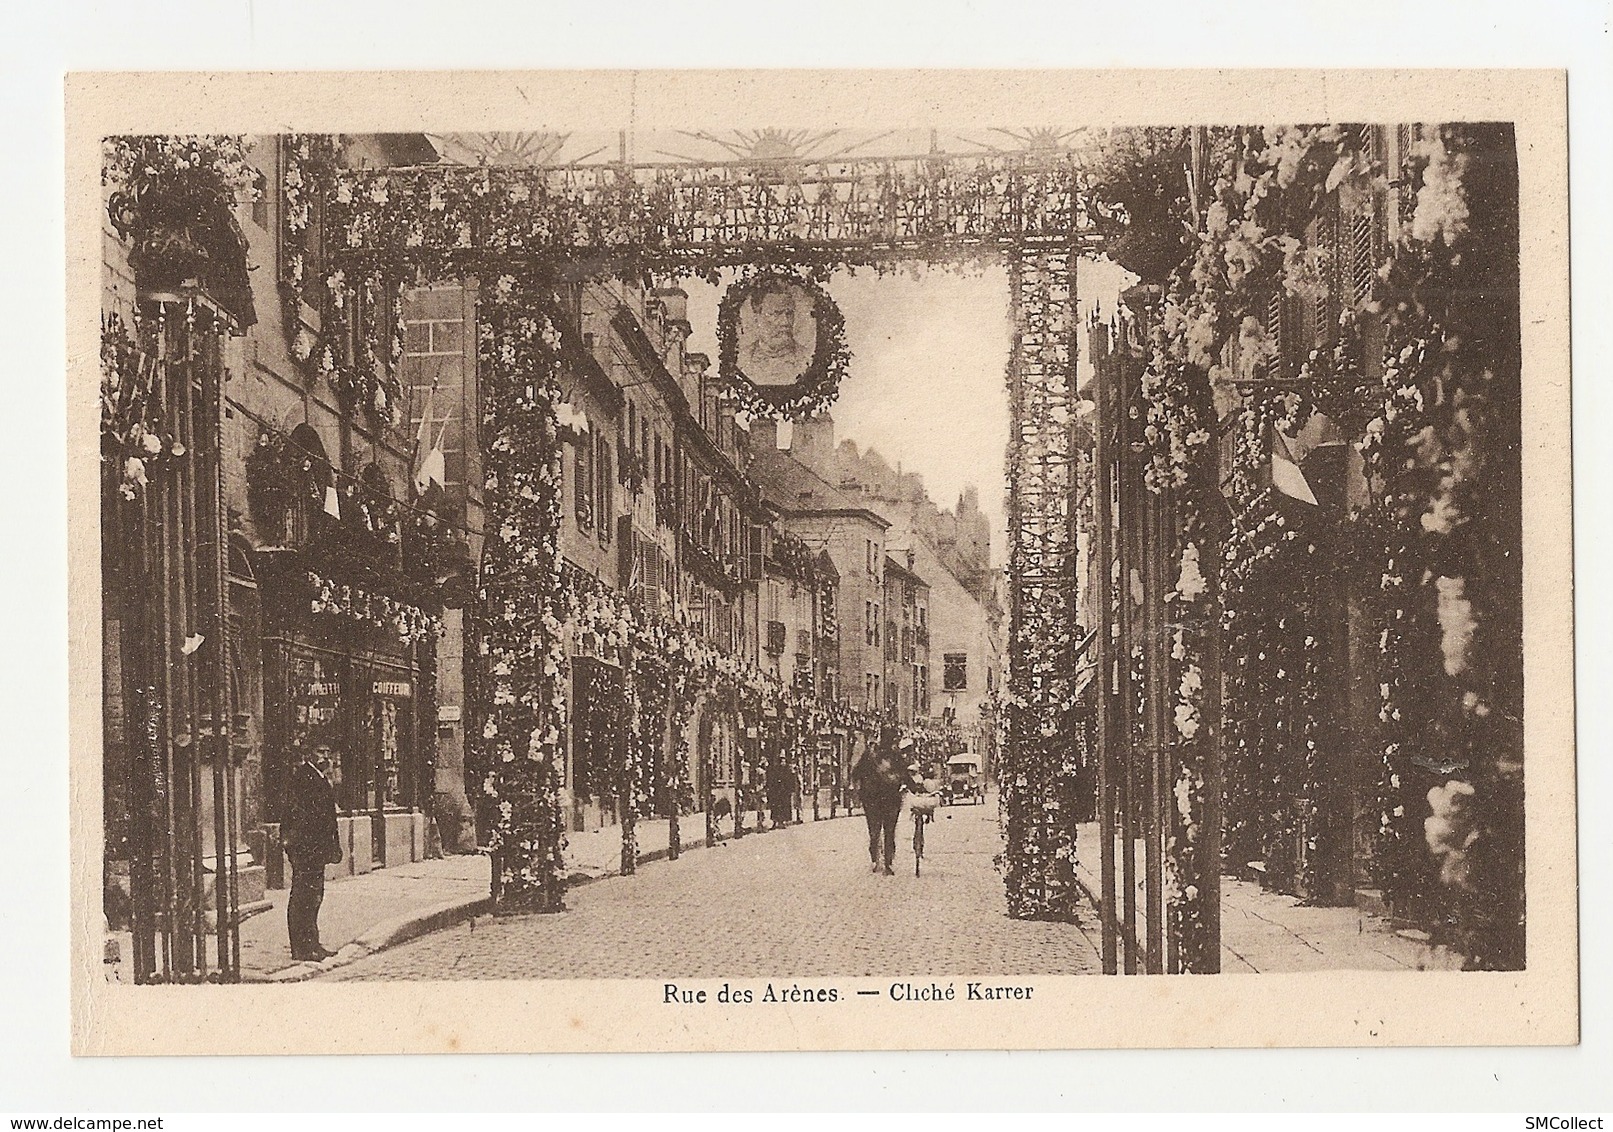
[(820, 560)]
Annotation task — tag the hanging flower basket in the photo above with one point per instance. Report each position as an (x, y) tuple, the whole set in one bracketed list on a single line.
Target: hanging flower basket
[(170, 258)]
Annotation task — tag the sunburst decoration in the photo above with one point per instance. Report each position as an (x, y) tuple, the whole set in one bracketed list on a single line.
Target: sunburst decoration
[(539, 147), (1031, 139), (775, 145)]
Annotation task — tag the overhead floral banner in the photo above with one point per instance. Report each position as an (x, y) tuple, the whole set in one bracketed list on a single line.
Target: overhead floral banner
[(700, 217)]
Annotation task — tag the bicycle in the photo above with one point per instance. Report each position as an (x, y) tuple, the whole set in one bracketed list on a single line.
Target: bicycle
[(923, 807)]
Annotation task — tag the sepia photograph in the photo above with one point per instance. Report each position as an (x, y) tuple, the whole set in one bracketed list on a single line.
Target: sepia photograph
[(851, 565)]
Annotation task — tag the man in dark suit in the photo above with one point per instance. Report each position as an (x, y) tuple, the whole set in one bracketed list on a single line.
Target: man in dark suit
[(881, 782), (312, 842)]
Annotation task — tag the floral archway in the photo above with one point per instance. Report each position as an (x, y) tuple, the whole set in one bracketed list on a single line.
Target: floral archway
[(513, 226)]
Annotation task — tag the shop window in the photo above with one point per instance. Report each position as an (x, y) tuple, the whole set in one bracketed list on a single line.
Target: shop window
[(387, 744), (315, 686)]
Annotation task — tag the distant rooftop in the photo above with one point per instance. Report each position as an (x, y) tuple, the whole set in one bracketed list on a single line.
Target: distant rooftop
[(794, 488)]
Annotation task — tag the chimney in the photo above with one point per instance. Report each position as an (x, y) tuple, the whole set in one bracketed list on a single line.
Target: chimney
[(763, 434), (675, 301), (911, 558), (813, 440)]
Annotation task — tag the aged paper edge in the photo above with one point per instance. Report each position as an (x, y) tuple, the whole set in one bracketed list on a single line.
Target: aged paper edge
[(1539, 1006)]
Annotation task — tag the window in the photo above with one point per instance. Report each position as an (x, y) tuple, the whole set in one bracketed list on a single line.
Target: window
[(260, 202), (874, 623), (606, 484), (583, 488), (868, 622), (955, 676)]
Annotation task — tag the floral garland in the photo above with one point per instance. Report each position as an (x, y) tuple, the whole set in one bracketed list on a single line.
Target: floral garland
[(1442, 454), (792, 558), (816, 389), (1274, 699), (696, 219), (311, 166), (1399, 865), (362, 382), (135, 437), (308, 160), (726, 571), (410, 624)]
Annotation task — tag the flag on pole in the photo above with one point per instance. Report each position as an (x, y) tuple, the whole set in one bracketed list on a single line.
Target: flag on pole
[(428, 457), (436, 469), (333, 503), (1286, 475)]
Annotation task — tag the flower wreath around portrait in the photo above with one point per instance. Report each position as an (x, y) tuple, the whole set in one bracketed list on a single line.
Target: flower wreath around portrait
[(816, 388)]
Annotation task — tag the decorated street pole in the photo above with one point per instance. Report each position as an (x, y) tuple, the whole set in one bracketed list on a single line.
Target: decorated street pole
[(521, 605)]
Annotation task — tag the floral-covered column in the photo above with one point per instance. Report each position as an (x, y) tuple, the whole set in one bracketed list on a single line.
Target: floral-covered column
[(521, 601), (1044, 752), (1181, 466)]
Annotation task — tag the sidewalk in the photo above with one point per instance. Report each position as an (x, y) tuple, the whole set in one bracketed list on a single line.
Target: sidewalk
[(1264, 931), (376, 910)]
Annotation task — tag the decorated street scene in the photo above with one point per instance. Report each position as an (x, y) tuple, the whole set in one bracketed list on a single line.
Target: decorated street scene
[(812, 554)]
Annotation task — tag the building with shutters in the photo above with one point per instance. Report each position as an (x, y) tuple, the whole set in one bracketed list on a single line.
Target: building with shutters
[(907, 661), (853, 538), (917, 645), (1349, 706)]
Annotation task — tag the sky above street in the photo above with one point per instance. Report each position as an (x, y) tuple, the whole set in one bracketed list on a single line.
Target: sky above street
[(926, 383)]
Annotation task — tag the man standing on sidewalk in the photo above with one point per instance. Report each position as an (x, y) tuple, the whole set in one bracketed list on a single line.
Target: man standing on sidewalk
[(312, 842)]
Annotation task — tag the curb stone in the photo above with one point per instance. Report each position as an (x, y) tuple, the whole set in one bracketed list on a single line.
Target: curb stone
[(387, 933)]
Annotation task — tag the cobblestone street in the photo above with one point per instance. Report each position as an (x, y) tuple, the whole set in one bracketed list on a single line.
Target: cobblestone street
[(799, 901)]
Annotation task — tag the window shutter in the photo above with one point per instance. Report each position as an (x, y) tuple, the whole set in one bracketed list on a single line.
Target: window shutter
[(627, 556), (1362, 254), (607, 490), (1274, 330)]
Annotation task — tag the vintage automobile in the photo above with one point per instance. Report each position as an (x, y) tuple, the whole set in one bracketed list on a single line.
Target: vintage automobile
[(964, 782)]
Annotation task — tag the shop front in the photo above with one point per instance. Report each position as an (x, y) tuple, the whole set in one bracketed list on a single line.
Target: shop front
[(356, 690)]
